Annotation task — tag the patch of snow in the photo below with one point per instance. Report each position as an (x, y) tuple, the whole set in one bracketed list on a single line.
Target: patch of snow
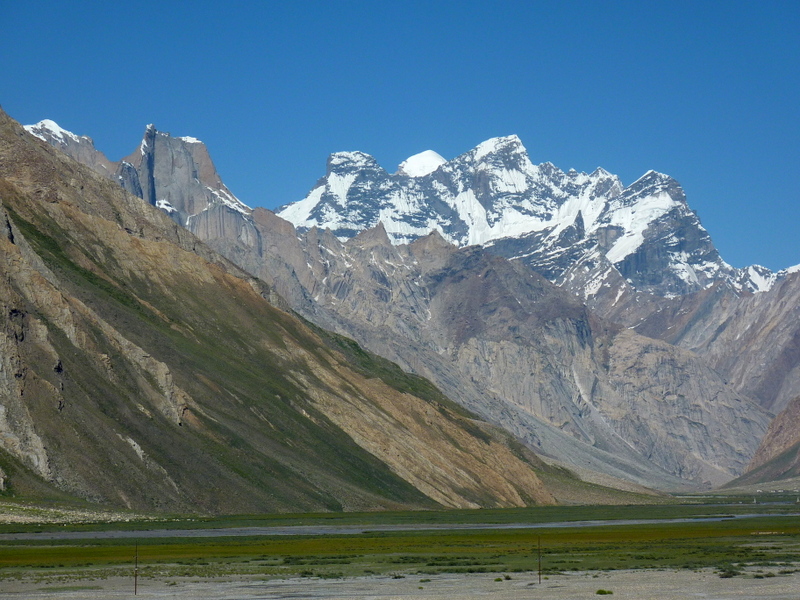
[(509, 182), (680, 266), (760, 278), (790, 270), (421, 164), (338, 185), (299, 213), (474, 215), (402, 232), (166, 206), (52, 128), (593, 286), (230, 200), (634, 219), (190, 140)]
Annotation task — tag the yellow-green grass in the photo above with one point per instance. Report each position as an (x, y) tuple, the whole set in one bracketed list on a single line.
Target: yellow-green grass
[(729, 546)]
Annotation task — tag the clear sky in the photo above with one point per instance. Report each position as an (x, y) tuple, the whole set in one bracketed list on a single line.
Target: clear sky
[(707, 92)]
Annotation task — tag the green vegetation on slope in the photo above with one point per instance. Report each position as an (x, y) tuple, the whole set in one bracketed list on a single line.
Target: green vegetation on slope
[(228, 348)]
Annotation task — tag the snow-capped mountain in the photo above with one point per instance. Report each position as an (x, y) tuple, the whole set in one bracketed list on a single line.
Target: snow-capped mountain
[(81, 148), (587, 232), (577, 229), (421, 164)]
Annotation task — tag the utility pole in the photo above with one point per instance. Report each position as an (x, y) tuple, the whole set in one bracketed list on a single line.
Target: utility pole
[(540, 559), (136, 571)]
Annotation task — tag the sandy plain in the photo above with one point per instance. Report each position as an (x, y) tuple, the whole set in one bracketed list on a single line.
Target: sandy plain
[(634, 584)]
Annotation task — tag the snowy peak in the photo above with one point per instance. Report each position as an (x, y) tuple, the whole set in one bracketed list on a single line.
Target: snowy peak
[(48, 130), (510, 144), (421, 164), (756, 278), (494, 196), (348, 161), (81, 148), (598, 172), (653, 181)]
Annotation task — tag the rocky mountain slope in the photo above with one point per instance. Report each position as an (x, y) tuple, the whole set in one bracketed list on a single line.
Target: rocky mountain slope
[(778, 456), (580, 388), (142, 369), (525, 354), (753, 340), (637, 255)]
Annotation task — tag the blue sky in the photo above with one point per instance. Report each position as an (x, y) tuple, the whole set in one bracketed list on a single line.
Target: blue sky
[(708, 92)]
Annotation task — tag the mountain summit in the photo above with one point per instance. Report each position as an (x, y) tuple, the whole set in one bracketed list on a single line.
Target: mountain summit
[(574, 228), (421, 164)]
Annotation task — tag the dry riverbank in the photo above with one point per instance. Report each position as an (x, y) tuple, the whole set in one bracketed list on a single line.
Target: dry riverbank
[(636, 584)]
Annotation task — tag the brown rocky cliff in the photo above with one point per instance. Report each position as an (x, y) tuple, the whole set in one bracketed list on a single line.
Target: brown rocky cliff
[(782, 435), (527, 355), (753, 340)]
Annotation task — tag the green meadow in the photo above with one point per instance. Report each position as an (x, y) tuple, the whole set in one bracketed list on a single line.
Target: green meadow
[(750, 546)]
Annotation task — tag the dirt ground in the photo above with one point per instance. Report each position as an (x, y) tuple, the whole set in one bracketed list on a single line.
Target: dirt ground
[(638, 585)]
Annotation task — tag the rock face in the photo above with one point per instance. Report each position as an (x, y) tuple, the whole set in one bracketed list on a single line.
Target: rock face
[(753, 340), (175, 174), (778, 456), (782, 435), (142, 369), (509, 345)]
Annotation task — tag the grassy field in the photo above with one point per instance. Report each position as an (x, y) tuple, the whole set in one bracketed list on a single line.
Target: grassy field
[(757, 546), (59, 517)]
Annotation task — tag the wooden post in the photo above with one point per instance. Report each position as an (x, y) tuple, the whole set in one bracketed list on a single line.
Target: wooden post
[(540, 559), (136, 571)]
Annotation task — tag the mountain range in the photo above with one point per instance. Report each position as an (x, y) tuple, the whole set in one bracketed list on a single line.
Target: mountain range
[(140, 368), (594, 322)]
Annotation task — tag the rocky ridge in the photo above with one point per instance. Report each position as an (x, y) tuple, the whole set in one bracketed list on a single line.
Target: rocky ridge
[(525, 354), (753, 340), (781, 436), (778, 455)]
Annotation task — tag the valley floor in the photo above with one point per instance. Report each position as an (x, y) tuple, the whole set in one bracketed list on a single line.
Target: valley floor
[(630, 584)]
